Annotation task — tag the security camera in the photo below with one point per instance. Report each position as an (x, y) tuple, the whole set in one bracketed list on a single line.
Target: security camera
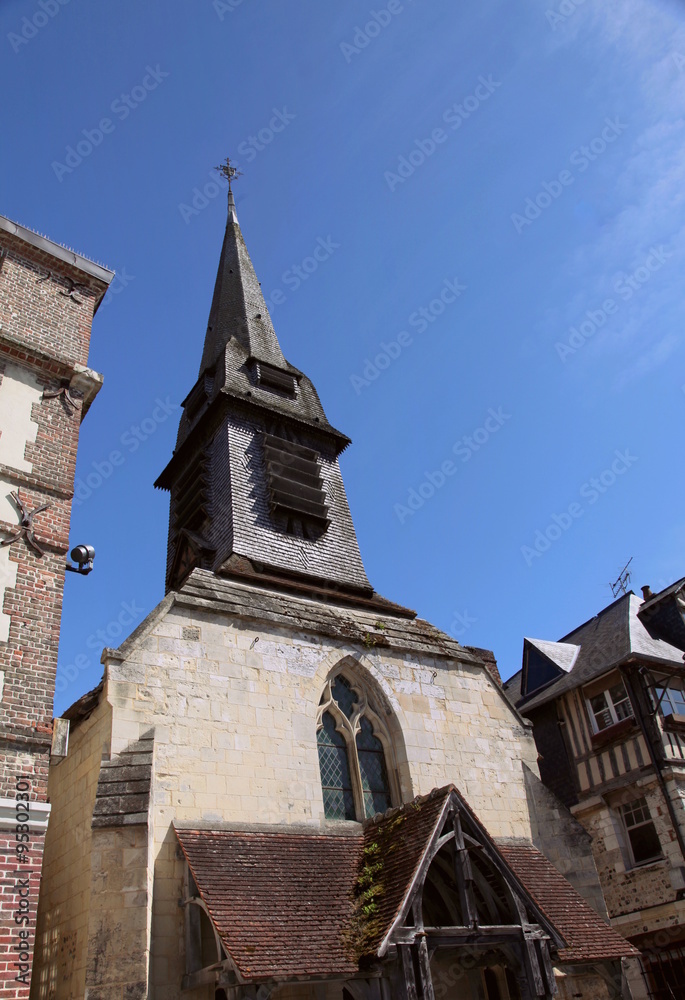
[(83, 556)]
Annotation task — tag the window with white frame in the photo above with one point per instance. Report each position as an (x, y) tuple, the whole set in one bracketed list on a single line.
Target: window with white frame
[(610, 706), (642, 836), (355, 753), (670, 697)]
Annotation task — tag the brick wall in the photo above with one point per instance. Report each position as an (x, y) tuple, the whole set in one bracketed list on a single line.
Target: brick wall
[(46, 311)]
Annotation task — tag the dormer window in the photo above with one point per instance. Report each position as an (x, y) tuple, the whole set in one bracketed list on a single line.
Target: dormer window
[(610, 706), (276, 378)]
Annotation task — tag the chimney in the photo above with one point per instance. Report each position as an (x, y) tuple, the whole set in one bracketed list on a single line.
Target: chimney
[(647, 594)]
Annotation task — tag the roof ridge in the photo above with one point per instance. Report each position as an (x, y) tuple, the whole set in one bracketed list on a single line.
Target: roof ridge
[(599, 614)]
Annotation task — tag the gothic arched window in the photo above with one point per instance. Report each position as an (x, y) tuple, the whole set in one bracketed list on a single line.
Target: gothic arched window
[(353, 745)]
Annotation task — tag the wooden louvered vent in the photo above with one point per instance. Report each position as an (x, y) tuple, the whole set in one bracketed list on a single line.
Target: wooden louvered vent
[(295, 483), (276, 378), (190, 508)]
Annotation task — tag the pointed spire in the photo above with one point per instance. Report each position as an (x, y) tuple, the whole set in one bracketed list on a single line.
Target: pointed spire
[(238, 307), (232, 214)]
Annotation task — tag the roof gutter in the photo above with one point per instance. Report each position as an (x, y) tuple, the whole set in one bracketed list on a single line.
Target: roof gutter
[(89, 267)]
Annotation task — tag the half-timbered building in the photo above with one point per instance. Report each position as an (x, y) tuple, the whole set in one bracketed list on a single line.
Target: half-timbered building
[(608, 707)]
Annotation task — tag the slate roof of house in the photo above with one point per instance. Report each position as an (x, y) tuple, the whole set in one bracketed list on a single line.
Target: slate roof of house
[(563, 654), (283, 901), (613, 636), (663, 595)]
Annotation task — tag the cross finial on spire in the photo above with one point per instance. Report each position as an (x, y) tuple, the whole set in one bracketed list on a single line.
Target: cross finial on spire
[(228, 170)]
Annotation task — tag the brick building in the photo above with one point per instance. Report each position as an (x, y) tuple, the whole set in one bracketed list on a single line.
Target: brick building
[(286, 784), (607, 703), (48, 296)]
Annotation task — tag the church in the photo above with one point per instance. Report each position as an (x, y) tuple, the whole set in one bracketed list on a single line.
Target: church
[(287, 786)]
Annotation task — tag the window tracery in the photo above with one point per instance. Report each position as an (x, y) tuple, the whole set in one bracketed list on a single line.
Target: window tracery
[(355, 753)]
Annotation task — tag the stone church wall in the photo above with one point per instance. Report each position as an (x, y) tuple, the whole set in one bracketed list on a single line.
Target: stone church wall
[(234, 713), (233, 706), (62, 930)]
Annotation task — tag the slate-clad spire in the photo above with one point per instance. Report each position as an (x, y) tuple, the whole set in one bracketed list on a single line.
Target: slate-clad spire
[(256, 488), (238, 307)]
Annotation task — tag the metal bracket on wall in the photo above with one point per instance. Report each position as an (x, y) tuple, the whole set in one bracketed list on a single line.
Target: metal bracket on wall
[(25, 528), (70, 293), (70, 402)]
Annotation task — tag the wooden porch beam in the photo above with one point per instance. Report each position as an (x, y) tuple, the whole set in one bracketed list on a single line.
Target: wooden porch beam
[(408, 970), (469, 935)]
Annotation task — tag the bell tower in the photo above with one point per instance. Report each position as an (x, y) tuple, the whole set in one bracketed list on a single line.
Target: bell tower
[(255, 484)]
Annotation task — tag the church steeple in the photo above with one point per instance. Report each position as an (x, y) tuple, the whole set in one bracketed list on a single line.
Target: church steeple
[(238, 307), (255, 483)]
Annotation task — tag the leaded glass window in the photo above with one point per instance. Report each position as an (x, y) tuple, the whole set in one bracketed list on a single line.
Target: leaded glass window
[(353, 747), (344, 696), (335, 771), (373, 770)]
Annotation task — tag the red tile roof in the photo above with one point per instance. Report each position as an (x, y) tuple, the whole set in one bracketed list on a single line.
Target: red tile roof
[(402, 838), (587, 936), (279, 901), (286, 903)]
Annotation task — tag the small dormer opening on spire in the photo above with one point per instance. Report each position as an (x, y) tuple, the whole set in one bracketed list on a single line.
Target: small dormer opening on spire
[(275, 378)]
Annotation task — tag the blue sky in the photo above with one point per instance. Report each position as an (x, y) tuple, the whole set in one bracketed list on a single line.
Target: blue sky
[(518, 440)]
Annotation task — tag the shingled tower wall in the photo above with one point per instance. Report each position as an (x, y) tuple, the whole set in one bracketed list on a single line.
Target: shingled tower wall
[(48, 296)]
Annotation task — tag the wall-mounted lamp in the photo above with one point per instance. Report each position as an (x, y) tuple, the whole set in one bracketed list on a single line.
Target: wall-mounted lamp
[(83, 556)]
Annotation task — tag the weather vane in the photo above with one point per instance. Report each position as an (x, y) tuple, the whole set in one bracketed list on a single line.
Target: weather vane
[(229, 171)]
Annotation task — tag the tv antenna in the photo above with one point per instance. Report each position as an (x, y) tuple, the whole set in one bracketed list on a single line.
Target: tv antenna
[(620, 586)]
